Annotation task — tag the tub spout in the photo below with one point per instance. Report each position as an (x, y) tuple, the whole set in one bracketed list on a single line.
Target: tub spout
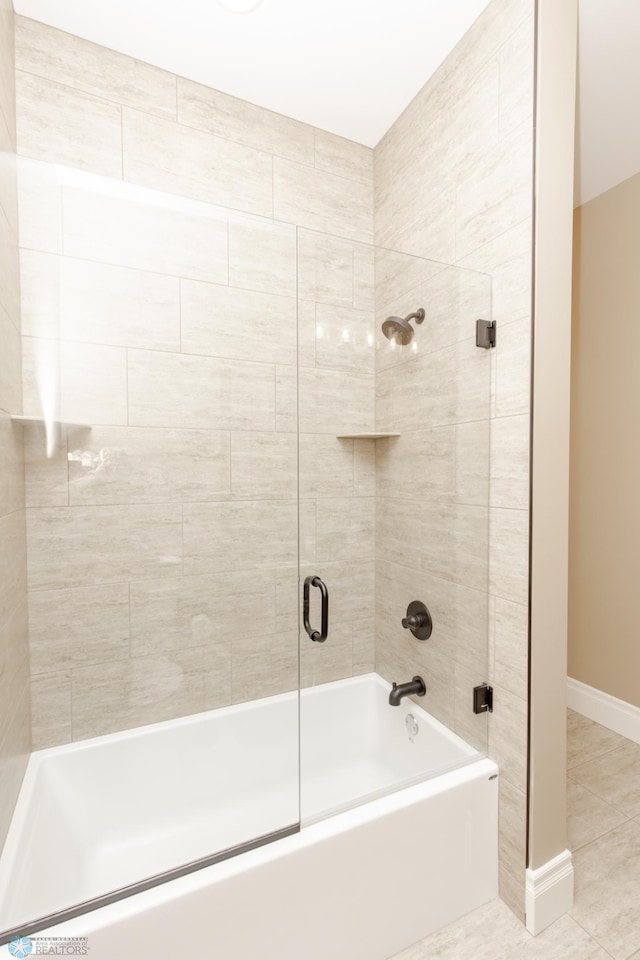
[(416, 687)]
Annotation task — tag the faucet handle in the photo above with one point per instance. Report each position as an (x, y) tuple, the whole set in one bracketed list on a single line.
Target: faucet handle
[(418, 620)]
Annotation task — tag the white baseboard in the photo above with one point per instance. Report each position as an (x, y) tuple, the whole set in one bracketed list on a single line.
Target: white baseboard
[(548, 892), (617, 715)]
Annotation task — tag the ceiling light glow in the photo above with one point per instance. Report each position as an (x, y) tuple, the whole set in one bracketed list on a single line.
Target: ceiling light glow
[(240, 6)]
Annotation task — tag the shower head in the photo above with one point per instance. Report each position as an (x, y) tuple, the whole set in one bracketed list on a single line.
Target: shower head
[(400, 329)]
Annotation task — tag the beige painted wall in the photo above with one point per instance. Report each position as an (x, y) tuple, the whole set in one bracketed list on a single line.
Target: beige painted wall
[(555, 122), (14, 651), (604, 619), (453, 182)]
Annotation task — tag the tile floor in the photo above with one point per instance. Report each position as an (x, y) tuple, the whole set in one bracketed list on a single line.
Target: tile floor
[(603, 792)]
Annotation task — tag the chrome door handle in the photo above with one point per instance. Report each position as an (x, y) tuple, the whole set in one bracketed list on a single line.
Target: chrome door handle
[(321, 635)]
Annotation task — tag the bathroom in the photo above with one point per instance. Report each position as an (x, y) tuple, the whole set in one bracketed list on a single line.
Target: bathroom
[(266, 417)]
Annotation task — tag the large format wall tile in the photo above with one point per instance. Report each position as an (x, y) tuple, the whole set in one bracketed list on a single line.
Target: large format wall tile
[(169, 156), (221, 321), (233, 119), (145, 231), (61, 125), (64, 58), (167, 389), (142, 465), (322, 201), (262, 255), (74, 546), (98, 303), (222, 536)]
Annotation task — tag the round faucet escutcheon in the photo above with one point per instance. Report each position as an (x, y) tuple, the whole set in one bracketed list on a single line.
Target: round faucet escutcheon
[(418, 620)]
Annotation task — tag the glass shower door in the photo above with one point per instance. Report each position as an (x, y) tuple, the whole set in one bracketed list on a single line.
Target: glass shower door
[(395, 407), (160, 421)]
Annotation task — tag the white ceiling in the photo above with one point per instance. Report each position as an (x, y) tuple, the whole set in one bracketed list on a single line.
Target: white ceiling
[(347, 66), (608, 149)]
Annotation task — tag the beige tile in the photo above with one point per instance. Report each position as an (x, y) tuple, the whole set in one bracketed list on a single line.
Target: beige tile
[(207, 611), (384, 400), (233, 119), (325, 268), (40, 206), (398, 275), (511, 647), (364, 467), (325, 662), (7, 64), (474, 936), (8, 173), (322, 201), (432, 235), (614, 777), (51, 709), (364, 280), (146, 231), (334, 401), (92, 380), (123, 694), (396, 525), (588, 817), (326, 467), (508, 737), (454, 543), (287, 418), (61, 125), (507, 259), (587, 740), (517, 74), (171, 157), (510, 462), (606, 902), (345, 339), (262, 666), (223, 536), (14, 755), (509, 554), (473, 462), (419, 464), (173, 390), (71, 628), (512, 838), (498, 195), (9, 270), (262, 256), (364, 646), (453, 300), (512, 892), (220, 321), (99, 303), (14, 659), (56, 55), (13, 562), (11, 466), (344, 157), (513, 369), (346, 528), (142, 465), (46, 470), (395, 662), (76, 546), (264, 466)]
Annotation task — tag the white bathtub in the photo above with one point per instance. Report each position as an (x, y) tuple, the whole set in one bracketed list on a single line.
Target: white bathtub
[(399, 835)]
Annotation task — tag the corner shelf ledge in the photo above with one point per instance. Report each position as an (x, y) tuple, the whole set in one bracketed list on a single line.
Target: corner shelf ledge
[(40, 421), (366, 436)]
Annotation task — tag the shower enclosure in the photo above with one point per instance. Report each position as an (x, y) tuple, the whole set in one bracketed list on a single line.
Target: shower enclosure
[(214, 420)]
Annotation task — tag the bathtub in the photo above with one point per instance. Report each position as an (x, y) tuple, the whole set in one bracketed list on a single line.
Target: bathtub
[(398, 831)]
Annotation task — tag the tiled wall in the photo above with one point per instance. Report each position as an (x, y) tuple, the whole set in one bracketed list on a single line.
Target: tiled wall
[(159, 291), (453, 182), (432, 519), (14, 651)]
